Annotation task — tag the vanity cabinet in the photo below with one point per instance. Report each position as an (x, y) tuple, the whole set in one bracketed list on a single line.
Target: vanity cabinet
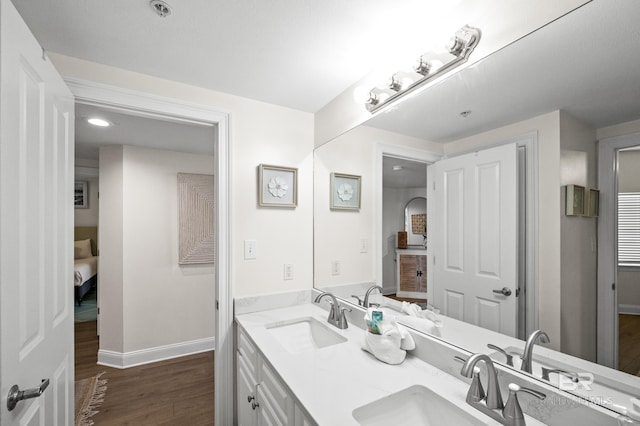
[(262, 397), (411, 273)]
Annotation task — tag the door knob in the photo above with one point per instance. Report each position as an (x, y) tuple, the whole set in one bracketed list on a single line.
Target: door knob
[(505, 291), (16, 395)]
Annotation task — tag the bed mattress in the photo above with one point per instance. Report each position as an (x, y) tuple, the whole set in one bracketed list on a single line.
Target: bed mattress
[(84, 269)]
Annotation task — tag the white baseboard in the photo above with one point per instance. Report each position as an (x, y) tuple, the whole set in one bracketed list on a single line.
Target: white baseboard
[(160, 353), (629, 309)]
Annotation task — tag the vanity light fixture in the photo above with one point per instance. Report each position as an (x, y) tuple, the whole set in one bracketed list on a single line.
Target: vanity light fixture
[(99, 122), (427, 68)]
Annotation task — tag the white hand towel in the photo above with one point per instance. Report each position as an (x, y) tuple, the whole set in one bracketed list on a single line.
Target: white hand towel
[(423, 320)]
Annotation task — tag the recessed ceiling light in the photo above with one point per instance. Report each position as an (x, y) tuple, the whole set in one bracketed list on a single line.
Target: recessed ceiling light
[(397, 168), (100, 122)]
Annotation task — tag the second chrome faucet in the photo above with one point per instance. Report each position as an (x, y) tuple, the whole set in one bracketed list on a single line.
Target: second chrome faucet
[(336, 312)]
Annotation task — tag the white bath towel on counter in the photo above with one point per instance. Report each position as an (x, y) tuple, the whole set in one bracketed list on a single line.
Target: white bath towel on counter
[(392, 344), (424, 320)]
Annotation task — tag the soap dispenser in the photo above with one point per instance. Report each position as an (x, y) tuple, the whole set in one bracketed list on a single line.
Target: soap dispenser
[(632, 414)]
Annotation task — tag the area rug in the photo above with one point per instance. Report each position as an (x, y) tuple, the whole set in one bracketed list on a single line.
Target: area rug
[(88, 311), (89, 395)]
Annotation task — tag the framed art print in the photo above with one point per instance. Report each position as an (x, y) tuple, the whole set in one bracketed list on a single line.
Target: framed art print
[(345, 191), (81, 195), (277, 186)]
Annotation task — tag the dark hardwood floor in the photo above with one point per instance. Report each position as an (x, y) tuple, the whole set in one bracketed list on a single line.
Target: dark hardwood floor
[(629, 344), (173, 392)]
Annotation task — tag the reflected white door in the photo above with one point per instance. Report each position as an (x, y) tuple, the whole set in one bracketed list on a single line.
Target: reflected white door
[(36, 219), (474, 235)]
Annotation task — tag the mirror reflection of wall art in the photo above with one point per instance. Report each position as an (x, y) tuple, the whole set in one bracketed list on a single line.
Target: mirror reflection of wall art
[(345, 191), (593, 203), (196, 237), (575, 200), (81, 195), (277, 186)]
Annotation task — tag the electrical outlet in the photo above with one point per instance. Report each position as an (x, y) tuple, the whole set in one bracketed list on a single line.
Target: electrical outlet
[(288, 271), (335, 267), (250, 249)]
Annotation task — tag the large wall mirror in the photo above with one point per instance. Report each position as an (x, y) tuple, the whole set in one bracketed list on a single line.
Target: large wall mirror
[(545, 98)]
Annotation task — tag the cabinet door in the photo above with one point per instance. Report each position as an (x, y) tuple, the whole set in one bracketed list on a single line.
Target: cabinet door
[(422, 278), (275, 395), (408, 272), (268, 413), (300, 417), (246, 394)]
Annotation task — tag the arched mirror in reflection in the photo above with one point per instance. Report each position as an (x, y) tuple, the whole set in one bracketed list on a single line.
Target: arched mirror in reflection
[(566, 97), (415, 222)]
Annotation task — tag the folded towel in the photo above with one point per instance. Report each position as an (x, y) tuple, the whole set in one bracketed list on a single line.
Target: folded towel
[(424, 320), (392, 344)]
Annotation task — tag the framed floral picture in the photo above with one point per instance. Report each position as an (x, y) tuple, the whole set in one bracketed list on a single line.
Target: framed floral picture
[(345, 191), (277, 186)]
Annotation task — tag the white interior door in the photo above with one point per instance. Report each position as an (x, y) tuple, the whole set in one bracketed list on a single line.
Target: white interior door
[(474, 235), (36, 206)]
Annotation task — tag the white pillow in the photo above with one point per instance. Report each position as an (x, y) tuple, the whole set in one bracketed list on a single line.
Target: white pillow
[(82, 249)]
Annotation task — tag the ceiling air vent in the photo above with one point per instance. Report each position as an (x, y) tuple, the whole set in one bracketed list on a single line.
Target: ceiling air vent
[(161, 8)]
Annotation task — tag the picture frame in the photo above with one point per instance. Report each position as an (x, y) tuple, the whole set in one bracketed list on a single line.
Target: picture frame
[(81, 195), (575, 200), (277, 186), (593, 202), (345, 191)]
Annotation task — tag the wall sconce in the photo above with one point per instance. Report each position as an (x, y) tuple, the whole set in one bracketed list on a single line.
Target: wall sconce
[(427, 67)]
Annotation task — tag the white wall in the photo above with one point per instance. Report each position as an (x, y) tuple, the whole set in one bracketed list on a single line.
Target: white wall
[(578, 242), (259, 133), (338, 234), (110, 239), (547, 128), (162, 303)]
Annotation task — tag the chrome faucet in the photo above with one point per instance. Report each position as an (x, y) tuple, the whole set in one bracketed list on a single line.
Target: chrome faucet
[(493, 397), (336, 313), (509, 414), (369, 291), (527, 356)]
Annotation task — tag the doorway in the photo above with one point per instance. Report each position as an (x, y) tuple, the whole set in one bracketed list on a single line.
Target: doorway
[(128, 100), (614, 268)]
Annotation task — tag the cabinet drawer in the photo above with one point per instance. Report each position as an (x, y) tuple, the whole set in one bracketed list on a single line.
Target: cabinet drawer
[(276, 394)]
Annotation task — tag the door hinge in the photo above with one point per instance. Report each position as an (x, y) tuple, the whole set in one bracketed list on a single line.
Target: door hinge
[(217, 305), (434, 185), (613, 287)]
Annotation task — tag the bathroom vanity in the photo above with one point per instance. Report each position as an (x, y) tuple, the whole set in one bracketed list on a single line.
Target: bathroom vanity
[(293, 368)]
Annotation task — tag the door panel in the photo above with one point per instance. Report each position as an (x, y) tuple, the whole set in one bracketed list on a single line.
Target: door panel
[(36, 218), (453, 184), (474, 237)]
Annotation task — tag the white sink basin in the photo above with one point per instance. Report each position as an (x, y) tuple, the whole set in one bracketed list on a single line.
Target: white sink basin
[(304, 335), (416, 406)]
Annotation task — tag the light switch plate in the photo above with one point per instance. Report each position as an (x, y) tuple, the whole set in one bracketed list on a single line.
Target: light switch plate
[(250, 249)]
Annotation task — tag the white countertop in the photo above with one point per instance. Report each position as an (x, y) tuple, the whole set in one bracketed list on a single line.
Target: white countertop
[(333, 381)]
